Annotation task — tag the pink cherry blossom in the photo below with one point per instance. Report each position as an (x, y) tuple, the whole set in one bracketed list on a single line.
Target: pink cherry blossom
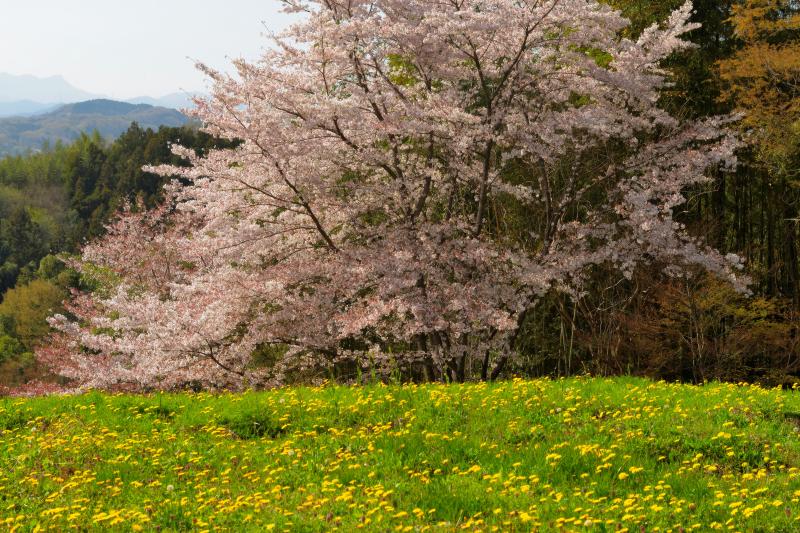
[(413, 176)]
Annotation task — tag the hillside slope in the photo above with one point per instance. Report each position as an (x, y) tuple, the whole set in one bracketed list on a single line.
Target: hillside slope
[(567, 455), (110, 118)]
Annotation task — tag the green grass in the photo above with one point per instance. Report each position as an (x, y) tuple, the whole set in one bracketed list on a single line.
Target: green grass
[(567, 455)]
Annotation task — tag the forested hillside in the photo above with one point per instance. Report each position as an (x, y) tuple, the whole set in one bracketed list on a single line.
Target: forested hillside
[(54, 201), (19, 135)]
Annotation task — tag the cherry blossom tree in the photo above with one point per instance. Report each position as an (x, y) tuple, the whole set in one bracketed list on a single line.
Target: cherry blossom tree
[(413, 175)]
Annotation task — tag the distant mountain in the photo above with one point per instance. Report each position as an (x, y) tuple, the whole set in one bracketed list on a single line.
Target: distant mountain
[(24, 108), (174, 100), (26, 95), (109, 117), (52, 90)]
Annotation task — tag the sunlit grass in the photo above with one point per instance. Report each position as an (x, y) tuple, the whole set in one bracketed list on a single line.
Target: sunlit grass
[(571, 455)]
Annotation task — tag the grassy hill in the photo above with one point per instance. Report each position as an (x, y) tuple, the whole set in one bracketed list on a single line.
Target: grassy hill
[(569, 455), (110, 118)]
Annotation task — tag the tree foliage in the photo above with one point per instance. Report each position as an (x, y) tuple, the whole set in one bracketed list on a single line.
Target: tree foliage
[(50, 203), (763, 79), (25, 309)]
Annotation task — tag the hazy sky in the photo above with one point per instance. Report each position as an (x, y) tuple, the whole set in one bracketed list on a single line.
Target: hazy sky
[(129, 48)]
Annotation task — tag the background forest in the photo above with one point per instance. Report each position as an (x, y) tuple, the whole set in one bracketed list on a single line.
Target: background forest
[(52, 202), (746, 59)]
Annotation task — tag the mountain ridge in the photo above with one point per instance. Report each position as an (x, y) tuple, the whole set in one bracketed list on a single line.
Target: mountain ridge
[(176, 100), (26, 95), (24, 108), (48, 90), (110, 118)]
